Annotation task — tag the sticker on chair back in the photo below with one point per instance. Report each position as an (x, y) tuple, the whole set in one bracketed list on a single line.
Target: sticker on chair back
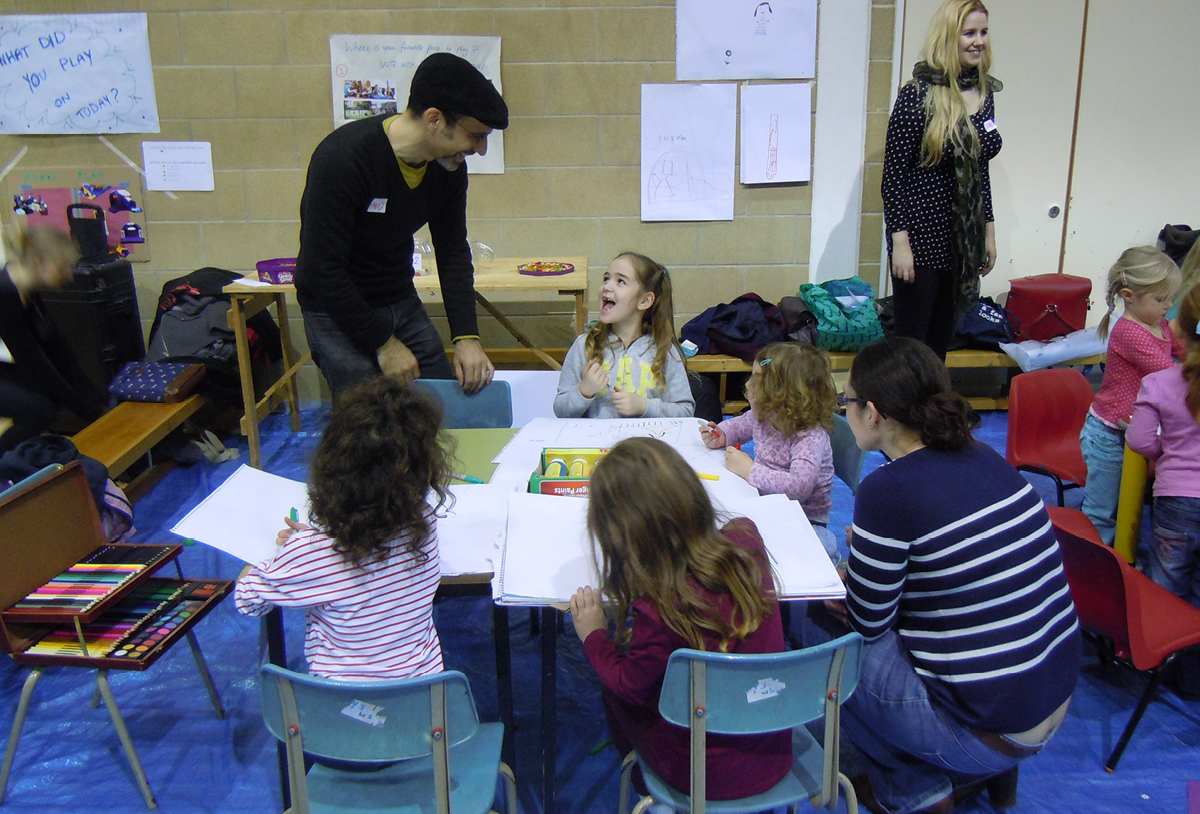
[(764, 689), (367, 713)]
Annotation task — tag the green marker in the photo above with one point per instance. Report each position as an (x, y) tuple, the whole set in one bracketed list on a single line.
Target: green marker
[(467, 478), (295, 515), (188, 541)]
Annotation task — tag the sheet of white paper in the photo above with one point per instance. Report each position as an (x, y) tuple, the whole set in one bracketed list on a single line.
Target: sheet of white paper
[(776, 133), (745, 39), (77, 74), (372, 72), (547, 553), (242, 516), (5, 353), (801, 564), (471, 534), (180, 166), (688, 138)]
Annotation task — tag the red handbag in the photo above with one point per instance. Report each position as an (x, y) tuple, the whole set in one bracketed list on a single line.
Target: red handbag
[(1049, 305)]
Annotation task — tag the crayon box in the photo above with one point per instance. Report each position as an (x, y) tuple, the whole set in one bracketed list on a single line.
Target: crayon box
[(564, 471)]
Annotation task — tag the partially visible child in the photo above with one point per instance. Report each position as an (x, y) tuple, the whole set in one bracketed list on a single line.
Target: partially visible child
[(629, 363), (792, 398), (687, 584), (368, 568), (1146, 281), (1190, 270), (1166, 428)]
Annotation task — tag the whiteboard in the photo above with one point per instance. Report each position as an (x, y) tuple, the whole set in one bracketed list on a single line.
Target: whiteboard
[(372, 72), (76, 73)]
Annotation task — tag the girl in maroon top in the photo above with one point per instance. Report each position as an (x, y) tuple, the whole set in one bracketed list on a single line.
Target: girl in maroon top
[(688, 585)]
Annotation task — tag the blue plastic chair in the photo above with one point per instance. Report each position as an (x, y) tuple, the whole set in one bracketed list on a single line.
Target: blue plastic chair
[(404, 745), (711, 692), (490, 407)]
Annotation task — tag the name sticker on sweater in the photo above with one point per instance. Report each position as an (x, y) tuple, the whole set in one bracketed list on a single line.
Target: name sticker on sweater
[(989, 125), (764, 689), (364, 712), (380, 204)]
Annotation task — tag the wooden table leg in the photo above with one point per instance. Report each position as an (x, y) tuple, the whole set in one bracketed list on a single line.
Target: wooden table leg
[(237, 321), (285, 337), (581, 312), (516, 332)]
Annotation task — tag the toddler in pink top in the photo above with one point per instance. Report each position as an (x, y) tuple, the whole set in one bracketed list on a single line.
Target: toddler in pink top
[(1166, 428), (1146, 281), (792, 398)]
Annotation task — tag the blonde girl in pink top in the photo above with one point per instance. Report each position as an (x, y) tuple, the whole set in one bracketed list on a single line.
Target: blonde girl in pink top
[(1145, 281)]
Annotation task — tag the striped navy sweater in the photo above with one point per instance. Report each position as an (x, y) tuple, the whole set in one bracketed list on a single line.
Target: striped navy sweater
[(955, 551)]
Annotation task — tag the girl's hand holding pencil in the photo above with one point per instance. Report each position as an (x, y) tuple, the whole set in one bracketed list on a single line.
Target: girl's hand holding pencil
[(712, 436)]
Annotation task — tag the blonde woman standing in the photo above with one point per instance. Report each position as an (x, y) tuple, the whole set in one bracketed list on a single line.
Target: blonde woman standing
[(937, 195)]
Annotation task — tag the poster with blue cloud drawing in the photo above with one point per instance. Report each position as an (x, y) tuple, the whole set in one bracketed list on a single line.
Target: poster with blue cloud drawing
[(72, 74), (776, 133), (745, 39), (689, 133), (372, 72)]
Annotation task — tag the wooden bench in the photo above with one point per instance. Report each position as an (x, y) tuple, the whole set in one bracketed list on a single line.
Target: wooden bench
[(131, 429), (840, 362)]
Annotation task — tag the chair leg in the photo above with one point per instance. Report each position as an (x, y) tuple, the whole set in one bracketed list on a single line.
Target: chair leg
[(1058, 484), (202, 666), (642, 805), (851, 794), (123, 734), (510, 789), (1002, 788), (1156, 678), (18, 723), (626, 781)]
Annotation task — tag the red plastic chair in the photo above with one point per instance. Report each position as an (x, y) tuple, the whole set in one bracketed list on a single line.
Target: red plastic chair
[(1138, 621), (1046, 411)]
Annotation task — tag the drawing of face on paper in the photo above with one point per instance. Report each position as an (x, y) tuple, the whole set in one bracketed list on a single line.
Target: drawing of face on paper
[(762, 18), (680, 176)]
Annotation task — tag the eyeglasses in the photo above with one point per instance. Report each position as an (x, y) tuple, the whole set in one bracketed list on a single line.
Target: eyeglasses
[(476, 138), (844, 400)]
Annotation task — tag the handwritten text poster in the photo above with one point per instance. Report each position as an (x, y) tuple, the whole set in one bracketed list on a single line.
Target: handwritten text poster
[(77, 73), (688, 137), (372, 72)]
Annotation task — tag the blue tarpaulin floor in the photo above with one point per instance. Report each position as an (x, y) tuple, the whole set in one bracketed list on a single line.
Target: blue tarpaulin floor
[(70, 759)]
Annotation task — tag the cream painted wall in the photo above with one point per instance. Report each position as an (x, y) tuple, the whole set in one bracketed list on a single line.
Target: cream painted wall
[(1136, 163)]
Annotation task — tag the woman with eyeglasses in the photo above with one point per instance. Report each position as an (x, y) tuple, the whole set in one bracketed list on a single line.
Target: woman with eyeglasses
[(955, 581)]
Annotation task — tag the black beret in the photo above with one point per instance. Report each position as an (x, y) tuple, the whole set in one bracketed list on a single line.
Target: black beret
[(453, 85)]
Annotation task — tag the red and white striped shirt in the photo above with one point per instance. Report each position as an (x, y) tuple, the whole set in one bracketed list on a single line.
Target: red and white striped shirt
[(368, 622)]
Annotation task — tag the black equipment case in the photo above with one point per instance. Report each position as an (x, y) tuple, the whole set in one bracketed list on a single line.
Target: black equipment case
[(97, 314)]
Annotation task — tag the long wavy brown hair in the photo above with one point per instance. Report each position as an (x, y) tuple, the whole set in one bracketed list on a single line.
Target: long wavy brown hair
[(377, 461), (657, 535), (1189, 319), (793, 387), (658, 320)]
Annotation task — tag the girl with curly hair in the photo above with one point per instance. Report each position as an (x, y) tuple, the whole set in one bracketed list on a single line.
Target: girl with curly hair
[(367, 568)]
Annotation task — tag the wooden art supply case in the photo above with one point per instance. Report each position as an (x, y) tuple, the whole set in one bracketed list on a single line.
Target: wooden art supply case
[(50, 527)]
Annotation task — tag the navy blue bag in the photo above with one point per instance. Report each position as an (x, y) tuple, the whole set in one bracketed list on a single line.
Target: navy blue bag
[(987, 324)]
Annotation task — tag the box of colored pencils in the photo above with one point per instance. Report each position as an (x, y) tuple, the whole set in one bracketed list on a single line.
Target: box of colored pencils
[(87, 588), (565, 472)]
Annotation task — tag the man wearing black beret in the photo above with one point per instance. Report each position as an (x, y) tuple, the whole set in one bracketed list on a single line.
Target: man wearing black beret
[(371, 184)]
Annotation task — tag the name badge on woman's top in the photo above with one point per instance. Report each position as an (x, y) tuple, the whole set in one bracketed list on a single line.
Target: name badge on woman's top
[(989, 125)]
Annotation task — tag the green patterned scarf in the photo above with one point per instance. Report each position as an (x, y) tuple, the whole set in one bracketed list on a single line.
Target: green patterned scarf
[(970, 227)]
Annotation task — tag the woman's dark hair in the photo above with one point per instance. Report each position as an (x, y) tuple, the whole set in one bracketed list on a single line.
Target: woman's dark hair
[(908, 383), (377, 461)]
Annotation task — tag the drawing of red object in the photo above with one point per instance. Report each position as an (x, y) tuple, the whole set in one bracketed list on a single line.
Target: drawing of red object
[(773, 147)]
